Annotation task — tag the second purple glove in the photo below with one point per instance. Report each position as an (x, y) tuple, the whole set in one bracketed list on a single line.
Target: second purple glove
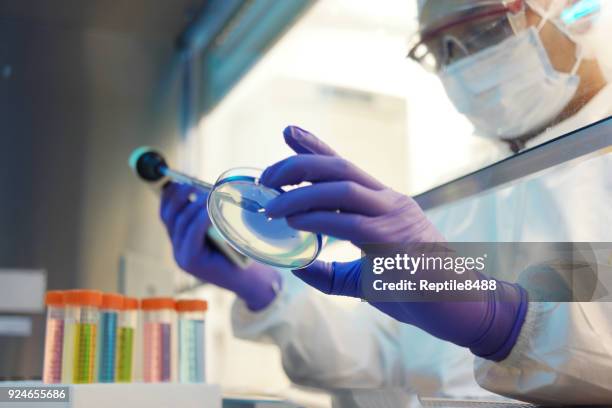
[(347, 203)]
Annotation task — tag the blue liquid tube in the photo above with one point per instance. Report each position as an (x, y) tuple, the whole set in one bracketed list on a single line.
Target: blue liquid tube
[(106, 361), (191, 320)]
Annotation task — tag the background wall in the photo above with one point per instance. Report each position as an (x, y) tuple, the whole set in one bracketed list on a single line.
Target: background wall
[(81, 85)]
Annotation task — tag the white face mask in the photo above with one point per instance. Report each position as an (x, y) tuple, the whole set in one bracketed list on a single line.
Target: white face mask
[(510, 89)]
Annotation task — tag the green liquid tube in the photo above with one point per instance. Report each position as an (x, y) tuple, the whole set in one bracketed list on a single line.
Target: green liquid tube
[(80, 331), (84, 353), (126, 332), (125, 349)]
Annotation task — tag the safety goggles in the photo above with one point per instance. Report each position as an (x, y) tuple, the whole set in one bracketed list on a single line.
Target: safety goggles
[(466, 33)]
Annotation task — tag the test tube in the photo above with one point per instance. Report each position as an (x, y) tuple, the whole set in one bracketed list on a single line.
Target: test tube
[(54, 337), (110, 308), (128, 321), (158, 317), (80, 326), (191, 317)]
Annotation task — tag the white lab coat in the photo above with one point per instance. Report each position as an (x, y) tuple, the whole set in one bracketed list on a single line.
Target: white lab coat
[(563, 353), (362, 357)]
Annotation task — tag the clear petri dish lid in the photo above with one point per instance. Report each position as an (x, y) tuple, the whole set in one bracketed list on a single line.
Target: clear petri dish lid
[(236, 207)]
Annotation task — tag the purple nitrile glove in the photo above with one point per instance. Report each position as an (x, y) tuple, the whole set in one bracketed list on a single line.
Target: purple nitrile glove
[(187, 221), (345, 202), (488, 326)]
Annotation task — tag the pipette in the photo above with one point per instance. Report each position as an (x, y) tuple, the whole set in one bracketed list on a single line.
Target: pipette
[(151, 166)]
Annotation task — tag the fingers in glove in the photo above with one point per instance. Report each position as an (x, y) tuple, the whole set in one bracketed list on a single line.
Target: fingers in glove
[(304, 142), (319, 275), (350, 227), (196, 232), (175, 198), (346, 196), (186, 217), (315, 168), (336, 278)]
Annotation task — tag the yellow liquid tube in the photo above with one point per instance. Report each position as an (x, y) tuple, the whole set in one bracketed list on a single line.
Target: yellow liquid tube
[(80, 331), (128, 322)]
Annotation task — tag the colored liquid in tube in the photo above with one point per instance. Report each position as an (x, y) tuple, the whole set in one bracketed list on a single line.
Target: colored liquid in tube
[(157, 352), (191, 321), (84, 352), (191, 350), (80, 331), (54, 343), (126, 328), (125, 353), (108, 346)]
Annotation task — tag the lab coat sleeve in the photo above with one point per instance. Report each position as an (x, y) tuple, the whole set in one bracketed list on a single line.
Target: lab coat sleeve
[(324, 344), (563, 356)]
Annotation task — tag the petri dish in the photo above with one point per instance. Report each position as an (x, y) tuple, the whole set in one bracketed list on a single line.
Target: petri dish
[(236, 207)]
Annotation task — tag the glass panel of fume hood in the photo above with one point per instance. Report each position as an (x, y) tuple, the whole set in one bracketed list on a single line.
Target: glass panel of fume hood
[(341, 72)]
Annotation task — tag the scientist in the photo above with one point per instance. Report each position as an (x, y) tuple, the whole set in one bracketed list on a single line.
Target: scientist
[(514, 68)]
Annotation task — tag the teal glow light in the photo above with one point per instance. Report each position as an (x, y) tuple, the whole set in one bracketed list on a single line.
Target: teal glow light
[(580, 10), (136, 155)]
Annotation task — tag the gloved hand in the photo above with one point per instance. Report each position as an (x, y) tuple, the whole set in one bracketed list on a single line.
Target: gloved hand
[(343, 201), (187, 221), (347, 203)]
